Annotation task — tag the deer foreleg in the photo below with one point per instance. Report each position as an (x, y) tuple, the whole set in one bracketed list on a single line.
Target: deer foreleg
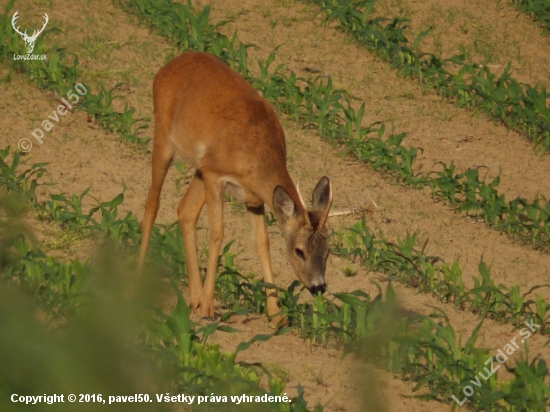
[(214, 203), (189, 211), (261, 237)]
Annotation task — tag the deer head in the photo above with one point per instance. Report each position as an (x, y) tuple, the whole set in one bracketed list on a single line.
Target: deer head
[(306, 233), (29, 40)]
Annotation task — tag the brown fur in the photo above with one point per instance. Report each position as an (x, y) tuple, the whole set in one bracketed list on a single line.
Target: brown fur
[(210, 117)]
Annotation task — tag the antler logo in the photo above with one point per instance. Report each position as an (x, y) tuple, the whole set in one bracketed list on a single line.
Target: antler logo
[(29, 40)]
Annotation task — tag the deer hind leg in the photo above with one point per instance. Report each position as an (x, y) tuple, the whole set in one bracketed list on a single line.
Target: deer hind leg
[(189, 211), (162, 158), (214, 204), (261, 237)]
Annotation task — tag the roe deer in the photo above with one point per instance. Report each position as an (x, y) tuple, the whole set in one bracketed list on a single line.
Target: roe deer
[(213, 119)]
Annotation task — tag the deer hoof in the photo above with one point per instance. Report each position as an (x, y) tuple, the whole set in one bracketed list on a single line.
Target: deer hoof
[(206, 309)]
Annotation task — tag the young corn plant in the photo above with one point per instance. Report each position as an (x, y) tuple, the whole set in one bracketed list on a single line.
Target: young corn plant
[(99, 107), (23, 182), (537, 10)]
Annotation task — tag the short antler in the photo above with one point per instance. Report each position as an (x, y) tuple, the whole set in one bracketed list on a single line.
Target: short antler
[(308, 223)]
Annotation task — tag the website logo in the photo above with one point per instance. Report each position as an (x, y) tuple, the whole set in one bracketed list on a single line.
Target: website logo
[(29, 40)]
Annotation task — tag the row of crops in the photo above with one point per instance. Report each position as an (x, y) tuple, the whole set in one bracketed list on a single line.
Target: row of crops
[(519, 107), (430, 355)]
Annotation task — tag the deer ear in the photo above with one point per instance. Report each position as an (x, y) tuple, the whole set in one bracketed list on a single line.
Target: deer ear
[(283, 204), (322, 199)]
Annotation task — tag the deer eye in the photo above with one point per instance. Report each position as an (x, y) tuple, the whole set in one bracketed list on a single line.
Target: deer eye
[(299, 253)]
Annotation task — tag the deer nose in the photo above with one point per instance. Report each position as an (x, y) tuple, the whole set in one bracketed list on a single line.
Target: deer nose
[(317, 288)]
